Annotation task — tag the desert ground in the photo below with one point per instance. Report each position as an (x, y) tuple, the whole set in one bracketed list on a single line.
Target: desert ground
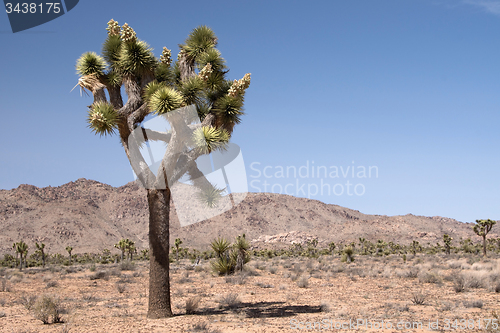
[(280, 294)]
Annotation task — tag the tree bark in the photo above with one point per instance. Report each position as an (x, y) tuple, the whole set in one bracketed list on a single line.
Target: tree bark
[(484, 245), (159, 281)]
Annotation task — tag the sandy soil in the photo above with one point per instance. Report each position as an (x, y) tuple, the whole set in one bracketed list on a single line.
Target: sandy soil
[(273, 295)]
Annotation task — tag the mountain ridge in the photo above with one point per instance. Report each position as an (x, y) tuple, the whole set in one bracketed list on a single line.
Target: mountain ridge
[(90, 216)]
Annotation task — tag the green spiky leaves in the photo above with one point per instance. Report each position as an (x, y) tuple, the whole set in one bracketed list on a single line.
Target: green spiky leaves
[(208, 139), (111, 49), (228, 111), (102, 118), (210, 196), (199, 41), (190, 90), (137, 58), (211, 56), (162, 99), (90, 63)]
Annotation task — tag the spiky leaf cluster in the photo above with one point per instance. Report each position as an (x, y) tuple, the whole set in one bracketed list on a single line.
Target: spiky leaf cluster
[(191, 89), (210, 196), (208, 139), (164, 99), (228, 110), (199, 41), (111, 50), (102, 118), (90, 63), (137, 58), (113, 28)]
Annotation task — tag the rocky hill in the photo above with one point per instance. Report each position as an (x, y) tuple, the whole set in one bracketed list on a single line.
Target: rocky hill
[(91, 216)]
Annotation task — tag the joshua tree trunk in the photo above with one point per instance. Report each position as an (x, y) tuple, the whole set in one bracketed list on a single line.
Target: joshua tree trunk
[(484, 245), (159, 281)]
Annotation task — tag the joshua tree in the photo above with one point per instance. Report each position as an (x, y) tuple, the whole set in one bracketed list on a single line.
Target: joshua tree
[(130, 248), (177, 244), (348, 254), (14, 246), (41, 248), (122, 246), (241, 246), (447, 243), (482, 228), (69, 249), (153, 86), (22, 249), (331, 247)]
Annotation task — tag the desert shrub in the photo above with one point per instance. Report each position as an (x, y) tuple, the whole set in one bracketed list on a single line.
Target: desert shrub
[(303, 282), (28, 301), (473, 279), (230, 300), (184, 277), (127, 265), (272, 270), (192, 304), (239, 279), (47, 307), (324, 307), (99, 275), (459, 284), (446, 306), (264, 285), (3, 285), (418, 298), (473, 304), (120, 287), (429, 277), (51, 284)]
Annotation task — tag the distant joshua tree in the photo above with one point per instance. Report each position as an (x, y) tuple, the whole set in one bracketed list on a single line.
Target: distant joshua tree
[(177, 244), (482, 228), (22, 249), (41, 248), (69, 249), (447, 243), (122, 246)]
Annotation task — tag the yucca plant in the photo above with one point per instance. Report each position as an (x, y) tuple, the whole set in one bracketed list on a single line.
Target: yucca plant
[(159, 86), (482, 228)]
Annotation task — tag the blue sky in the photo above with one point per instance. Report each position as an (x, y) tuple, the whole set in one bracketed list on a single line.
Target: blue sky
[(409, 87)]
